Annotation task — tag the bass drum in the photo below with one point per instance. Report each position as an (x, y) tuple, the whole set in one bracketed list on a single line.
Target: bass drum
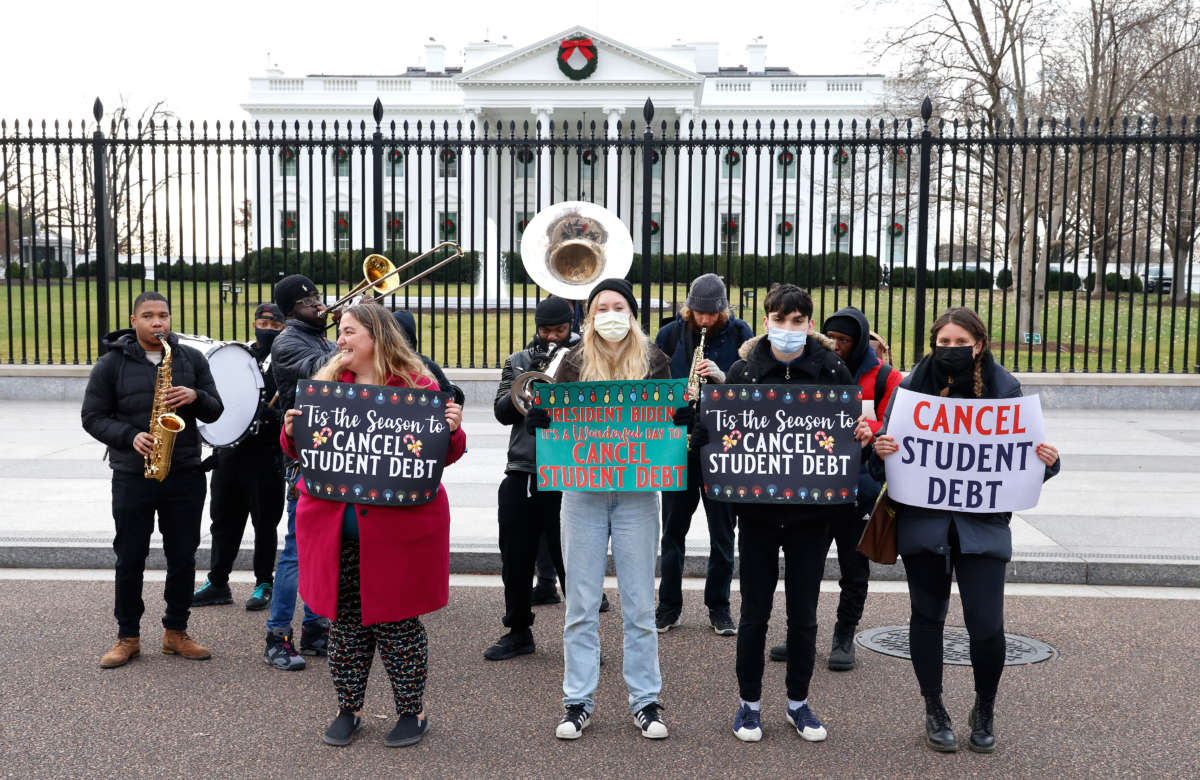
[(239, 382)]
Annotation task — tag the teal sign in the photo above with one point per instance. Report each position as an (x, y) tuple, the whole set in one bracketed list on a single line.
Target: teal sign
[(612, 436)]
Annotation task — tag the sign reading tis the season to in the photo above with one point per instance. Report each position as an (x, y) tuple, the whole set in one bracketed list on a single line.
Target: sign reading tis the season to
[(773, 443), (611, 436), (369, 444), (970, 455)]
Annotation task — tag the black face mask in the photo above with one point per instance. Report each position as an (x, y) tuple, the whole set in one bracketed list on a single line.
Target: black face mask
[(954, 361), (264, 337)]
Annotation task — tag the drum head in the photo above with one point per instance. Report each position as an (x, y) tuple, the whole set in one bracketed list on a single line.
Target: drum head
[(240, 383)]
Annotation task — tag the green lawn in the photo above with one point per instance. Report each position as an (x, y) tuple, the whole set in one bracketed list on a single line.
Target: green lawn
[(49, 324)]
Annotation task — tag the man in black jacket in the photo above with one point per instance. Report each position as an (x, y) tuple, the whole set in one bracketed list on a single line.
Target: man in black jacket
[(116, 410), (247, 480), (524, 511), (787, 354), (296, 354)]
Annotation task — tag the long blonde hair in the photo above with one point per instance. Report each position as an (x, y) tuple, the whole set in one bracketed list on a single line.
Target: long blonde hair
[(393, 357), (602, 361)]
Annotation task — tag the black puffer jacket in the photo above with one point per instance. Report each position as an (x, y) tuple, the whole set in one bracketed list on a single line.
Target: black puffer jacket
[(818, 364), (521, 446), (296, 354), (120, 396)]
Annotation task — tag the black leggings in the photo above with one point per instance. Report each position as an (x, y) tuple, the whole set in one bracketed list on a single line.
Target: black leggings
[(402, 646), (981, 588)]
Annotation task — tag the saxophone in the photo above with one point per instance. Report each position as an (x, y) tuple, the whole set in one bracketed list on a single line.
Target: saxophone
[(694, 380), (164, 425)]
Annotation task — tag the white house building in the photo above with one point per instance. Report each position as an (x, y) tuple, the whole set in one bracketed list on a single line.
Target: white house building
[(578, 78)]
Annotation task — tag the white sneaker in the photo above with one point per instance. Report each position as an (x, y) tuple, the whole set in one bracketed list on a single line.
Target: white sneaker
[(649, 720), (806, 723), (574, 721)]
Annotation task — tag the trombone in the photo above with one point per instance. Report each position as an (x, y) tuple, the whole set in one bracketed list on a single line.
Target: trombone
[(378, 273)]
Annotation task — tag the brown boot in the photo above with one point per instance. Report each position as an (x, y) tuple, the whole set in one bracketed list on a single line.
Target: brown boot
[(179, 643), (125, 650)]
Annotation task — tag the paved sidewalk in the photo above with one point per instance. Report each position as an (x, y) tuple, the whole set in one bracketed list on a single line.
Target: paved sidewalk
[(1124, 510), (1115, 701)]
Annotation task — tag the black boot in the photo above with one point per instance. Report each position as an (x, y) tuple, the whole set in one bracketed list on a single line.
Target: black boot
[(983, 729), (939, 735), (841, 656)]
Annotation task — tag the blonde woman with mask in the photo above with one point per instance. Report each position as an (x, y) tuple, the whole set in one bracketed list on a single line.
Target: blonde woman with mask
[(613, 347)]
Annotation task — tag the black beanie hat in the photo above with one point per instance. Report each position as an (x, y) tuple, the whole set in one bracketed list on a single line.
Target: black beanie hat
[(618, 286), (552, 311), (293, 288), (844, 323)]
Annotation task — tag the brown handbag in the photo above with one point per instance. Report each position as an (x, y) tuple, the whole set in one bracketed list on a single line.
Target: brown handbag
[(878, 541)]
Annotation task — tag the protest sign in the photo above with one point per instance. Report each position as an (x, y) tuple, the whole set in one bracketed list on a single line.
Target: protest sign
[(965, 454), (781, 443), (369, 444), (611, 436)]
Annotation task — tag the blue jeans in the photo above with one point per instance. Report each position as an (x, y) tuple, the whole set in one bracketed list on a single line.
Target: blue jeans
[(287, 576), (588, 520)]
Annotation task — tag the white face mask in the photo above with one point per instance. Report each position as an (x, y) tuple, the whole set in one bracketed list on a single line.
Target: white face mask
[(612, 325)]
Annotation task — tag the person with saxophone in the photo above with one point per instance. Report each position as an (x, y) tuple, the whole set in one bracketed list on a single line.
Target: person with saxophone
[(526, 513), (146, 373), (704, 339)]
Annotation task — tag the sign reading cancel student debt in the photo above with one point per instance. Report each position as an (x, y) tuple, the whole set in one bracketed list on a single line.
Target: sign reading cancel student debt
[(368, 444), (611, 436), (781, 443), (968, 455)]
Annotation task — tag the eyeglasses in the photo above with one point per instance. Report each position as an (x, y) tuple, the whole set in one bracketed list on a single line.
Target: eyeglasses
[(312, 300)]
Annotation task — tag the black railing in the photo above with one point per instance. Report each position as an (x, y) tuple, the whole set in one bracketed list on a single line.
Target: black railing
[(1074, 241)]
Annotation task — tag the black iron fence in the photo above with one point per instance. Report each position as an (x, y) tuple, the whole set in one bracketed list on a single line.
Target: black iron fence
[(1073, 241)]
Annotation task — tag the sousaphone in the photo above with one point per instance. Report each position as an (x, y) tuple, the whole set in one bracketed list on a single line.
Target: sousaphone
[(567, 249)]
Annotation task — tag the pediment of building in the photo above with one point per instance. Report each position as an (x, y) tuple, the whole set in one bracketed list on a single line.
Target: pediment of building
[(616, 64)]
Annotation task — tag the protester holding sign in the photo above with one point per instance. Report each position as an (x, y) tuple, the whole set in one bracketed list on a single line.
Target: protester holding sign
[(376, 568), (613, 348), (974, 543), (707, 307), (788, 354)]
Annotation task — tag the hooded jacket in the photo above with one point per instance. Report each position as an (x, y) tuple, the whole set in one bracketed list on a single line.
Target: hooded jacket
[(865, 366), (408, 324), (521, 444), (923, 530), (296, 354), (817, 364), (120, 396)]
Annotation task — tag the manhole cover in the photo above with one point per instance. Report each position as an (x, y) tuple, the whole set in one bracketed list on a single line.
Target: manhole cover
[(956, 645)]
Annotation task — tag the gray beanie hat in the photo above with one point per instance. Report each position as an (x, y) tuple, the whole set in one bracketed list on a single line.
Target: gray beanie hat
[(707, 295)]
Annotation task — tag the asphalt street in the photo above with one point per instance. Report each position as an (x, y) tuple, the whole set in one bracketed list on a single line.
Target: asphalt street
[(1118, 699)]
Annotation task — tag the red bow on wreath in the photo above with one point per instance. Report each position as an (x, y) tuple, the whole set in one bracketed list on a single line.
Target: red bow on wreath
[(584, 45)]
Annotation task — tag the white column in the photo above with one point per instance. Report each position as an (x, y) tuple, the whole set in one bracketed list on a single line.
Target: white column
[(612, 170), (686, 116), (542, 114), (465, 216)]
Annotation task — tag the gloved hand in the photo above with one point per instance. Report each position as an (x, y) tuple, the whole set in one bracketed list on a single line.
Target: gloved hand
[(685, 416), (699, 438), (459, 395), (537, 418)]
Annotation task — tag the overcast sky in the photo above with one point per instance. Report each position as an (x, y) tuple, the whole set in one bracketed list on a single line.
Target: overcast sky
[(198, 56)]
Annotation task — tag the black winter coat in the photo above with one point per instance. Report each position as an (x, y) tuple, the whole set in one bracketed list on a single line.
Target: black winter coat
[(296, 354), (923, 530), (120, 396), (521, 444)]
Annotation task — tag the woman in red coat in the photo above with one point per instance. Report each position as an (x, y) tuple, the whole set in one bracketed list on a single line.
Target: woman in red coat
[(376, 571)]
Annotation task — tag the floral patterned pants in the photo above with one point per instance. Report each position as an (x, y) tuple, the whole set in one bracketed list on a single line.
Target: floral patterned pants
[(402, 646)]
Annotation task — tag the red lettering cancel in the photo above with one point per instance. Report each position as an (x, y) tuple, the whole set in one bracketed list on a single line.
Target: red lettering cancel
[(986, 420)]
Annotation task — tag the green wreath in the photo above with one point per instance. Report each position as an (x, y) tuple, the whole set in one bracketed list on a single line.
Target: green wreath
[(786, 228), (567, 48), (732, 158), (841, 229), (786, 158), (896, 230), (395, 156), (343, 227), (841, 157)]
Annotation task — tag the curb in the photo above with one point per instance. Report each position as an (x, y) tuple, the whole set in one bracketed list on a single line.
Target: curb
[(1055, 569)]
